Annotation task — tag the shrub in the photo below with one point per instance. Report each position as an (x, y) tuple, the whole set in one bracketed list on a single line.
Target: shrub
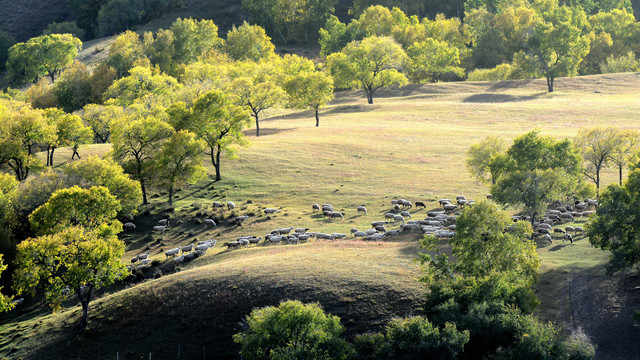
[(291, 331), (65, 27), (500, 72), (625, 63), (416, 338)]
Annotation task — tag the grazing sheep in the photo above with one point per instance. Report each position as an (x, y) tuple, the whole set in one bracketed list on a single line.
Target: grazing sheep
[(326, 213), (179, 259), (172, 252), (378, 223), (301, 230), (142, 256), (544, 231), (362, 209), (394, 202), (396, 207), (374, 237), (128, 226), (285, 231), (231, 205), (558, 231), (392, 233), (548, 239), (420, 204), (407, 204), (371, 231), (315, 207), (354, 230), (304, 237), (239, 219), (217, 205), (397, 218), (134, 259), (405, 214), (578, 229), (162, 229), (339, 236), (271, 211), (545, 226), (381, 229), (570, 229), (164, 222), (360, 234), (568, 237), (408, 227), (337, 214), (145, 262), (566, 216), (187, 249), (443, 202), (327, 206), (450, 207), (389, 215), (581, 206), (209, 222)]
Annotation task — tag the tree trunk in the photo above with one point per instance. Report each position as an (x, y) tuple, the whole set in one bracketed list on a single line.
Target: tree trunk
[(171, 196), (597, 180), (53, 148), (144, 192), (550, 83), (369, 95), (620, 174), (48, 155), (317, 118), (85, 307), (215, 161), (257, 124), (52, 75)]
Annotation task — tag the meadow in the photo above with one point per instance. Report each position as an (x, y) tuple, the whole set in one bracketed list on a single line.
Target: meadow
[(410, 144)]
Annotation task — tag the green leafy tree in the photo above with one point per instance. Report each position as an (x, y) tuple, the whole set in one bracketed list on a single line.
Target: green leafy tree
[(118, 15), (334, 36), (219, 123), (194, 38), (143, 82), (69, 130), (47, 54), (65, 27), (627, 144), (124, 52), (625, 63), (94, 171), (6, 42), (5, 301), (596, 146), (432, 61), (417, 338), (160, 50), (21, 131), (480, 155), (537, 170), (616, 227), (310, 90), (93, 208), (249, 42), (73, 88), (135, 145), (256, 87), (85, 12), (292, 330), (369, 64), (100, 118), (180, 162), (76, 258)]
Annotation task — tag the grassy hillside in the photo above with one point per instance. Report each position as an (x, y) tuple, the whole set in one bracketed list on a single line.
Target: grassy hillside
[(411, 143)]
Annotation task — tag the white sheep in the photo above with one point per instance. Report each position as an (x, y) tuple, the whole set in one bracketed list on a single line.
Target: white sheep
[(337, 214), (389, 215), (238, 220), (301, 230), (315, 207), (128, 226), (187, 249), (160, 228), (164, 222), (406, 214), (271, 211), (358, 234), (397, 218), (362, 209), (179, 259), (210, 222), (231, 205), (172, 252), (145, 262)]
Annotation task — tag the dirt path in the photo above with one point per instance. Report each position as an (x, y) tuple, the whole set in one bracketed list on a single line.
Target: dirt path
[(602, 307)]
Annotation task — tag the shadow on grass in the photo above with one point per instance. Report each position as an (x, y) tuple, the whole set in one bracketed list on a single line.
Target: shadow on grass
[(499, 98), (266, 131), (509, 84)]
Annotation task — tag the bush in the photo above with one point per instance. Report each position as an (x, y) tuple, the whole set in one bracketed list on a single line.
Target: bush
[(625, 63), (6, 41), (65, 27), (291, 331), (500, 72), (416, 338)]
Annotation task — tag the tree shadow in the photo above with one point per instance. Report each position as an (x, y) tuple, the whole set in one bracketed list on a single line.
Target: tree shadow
[(265, 131), (509, 84), (499, 98)]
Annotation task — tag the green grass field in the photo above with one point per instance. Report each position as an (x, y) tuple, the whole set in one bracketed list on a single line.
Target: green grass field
[(410, 144)]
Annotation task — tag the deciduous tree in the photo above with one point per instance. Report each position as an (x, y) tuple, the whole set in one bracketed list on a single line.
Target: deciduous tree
[(432, 60), (68, 130), (627, 144), (249, 42), (596, 146), (194, 38), (480, 155), (310, 90), (47, 54), (124, 52), (5, 301), (100, 119)]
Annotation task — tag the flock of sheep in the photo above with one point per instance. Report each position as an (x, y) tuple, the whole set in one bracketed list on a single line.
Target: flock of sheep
[(439, 223)]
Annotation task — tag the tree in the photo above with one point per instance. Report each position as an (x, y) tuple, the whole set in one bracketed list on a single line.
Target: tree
[(626, 63), (310, 90), (249, 42), (5, 301), (85, 12), (417, 338), (6, 42), (292, 330), (78, 258), (118, 15), (432, 61), (627, 144), (73, 88), (194, 39), (161, 50), (135, 146), (556, 49), (142, 82), (179, 162), (64, 27), (21, 130), (94, 171), (124, 52), (480, 155), (616, 225), (68, 130), (47, 54), (596, 146), (100, 119), (219, 123), (369, 64), (93, 208), (535, 171), (256, 88)]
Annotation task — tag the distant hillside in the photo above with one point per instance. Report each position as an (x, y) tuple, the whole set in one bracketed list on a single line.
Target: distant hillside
[(27, 18)]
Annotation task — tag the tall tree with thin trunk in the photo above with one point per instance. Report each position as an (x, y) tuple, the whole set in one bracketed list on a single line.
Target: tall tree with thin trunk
[(310, 90), (596, 146), (627, 144), (135, 145), (69, 130)]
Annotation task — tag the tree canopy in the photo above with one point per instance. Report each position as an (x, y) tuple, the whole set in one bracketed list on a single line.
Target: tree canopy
[(43, 55)]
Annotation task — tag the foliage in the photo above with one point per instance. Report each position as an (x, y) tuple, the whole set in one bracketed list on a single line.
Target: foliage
[(498, 73), (41, 95), (65, 27), (417, 338), (160, 50), (125, 50), (179, 162), (94, 171), (480, 155), (596, 146), (432, 60), (369, 64), (73, 88), (6, 42), (41, 55), (309, 90), (100, 119), (69, 130), (5, 301), (76, 258), (626, 63), (135, 146), (248, 42), (118, 15), (93, 208), (626, 145), (292, 330), (616, 225), (85, 13), (141, 84), (193, 39)]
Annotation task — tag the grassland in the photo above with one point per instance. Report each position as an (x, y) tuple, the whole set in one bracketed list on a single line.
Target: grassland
[(410, 143)]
